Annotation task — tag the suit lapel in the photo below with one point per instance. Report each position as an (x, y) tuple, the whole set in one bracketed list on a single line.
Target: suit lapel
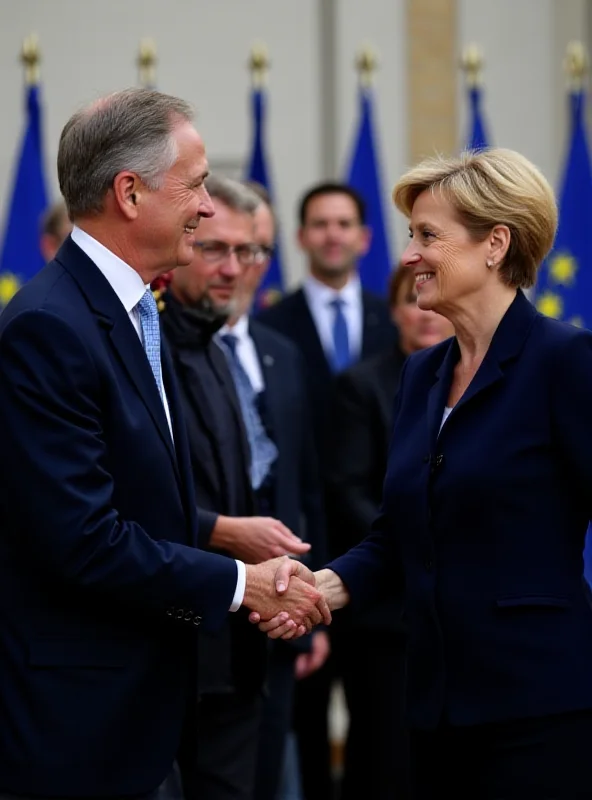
[(438, 394), (203, 410), (271, 379), (506, 344), (112, 316), (309, 340), (373, 337), (222, 370), (133, 358)]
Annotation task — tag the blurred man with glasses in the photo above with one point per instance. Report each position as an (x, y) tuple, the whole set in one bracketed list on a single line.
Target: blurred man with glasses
[(232, 457), (291, 491)]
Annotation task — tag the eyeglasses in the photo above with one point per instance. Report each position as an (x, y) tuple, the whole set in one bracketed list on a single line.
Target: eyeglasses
[(265, 254), (213, 251)]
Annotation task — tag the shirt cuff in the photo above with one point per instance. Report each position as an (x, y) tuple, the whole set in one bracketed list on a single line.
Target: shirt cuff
[(241, 582)]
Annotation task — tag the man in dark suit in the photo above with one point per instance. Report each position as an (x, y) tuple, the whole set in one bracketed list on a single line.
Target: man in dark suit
[(230, 467), (334, 323), (292, 491), (101, 581)]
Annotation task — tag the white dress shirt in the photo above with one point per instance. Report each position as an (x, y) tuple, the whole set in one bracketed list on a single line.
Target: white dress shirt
[(319, 298), (246, 351), (129, 288)]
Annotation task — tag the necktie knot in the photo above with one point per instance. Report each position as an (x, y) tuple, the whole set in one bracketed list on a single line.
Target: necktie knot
[(147, 306), (230, 340)]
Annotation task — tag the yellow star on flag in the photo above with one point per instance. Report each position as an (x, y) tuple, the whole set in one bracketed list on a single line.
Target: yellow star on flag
[(550, 304), (9, 286), (563, 268)]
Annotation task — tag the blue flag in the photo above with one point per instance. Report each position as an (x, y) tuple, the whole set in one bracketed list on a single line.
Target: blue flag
[(364, 176), (564, 288), (272, 285), (21, 257), (478, 139)]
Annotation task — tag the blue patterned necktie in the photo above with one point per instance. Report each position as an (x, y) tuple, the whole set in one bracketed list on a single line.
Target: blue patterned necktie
[(151, 334), (263, 450), (341, 353)]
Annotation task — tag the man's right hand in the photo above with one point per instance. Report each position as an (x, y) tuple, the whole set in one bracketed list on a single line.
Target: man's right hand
[(256, 539), (300, 606)]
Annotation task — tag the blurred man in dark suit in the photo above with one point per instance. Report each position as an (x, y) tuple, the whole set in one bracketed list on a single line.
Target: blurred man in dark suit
[(231, 461), (55, 228), (292, 491), (334, 323), (372, 644)]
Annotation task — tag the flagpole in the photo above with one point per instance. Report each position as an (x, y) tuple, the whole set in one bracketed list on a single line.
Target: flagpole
[(31, 60), (146, 63), (471, 63)]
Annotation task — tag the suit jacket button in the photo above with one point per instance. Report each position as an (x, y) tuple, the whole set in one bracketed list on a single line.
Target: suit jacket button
[(180, 612), (170, 611), (426, 459), (196, 620), (189, 616)]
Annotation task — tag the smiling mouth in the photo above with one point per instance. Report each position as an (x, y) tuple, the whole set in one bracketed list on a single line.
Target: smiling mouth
[(423, 277)]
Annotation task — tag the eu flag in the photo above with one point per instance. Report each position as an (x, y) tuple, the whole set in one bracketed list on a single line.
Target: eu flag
[(21, 257), (272, 285), (564, 288), (478, 139), (364, 176)]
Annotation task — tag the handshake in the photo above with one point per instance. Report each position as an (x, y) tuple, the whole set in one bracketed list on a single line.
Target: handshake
[(287, 600)]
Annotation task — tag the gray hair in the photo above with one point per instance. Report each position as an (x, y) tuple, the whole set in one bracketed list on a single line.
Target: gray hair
[(233, 194), (127, 130)]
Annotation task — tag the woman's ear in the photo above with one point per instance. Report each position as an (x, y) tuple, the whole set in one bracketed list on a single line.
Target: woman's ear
[(499, 243)]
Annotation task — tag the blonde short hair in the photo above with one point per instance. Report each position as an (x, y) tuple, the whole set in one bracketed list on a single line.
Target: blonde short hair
[(488, 188)]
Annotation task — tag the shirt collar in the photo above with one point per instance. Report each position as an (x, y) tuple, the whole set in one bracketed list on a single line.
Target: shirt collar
[(124, 280), (240, 329), (324, 295)]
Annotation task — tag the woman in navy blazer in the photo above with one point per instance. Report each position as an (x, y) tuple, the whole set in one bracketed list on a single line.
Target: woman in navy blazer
[(487, 497)]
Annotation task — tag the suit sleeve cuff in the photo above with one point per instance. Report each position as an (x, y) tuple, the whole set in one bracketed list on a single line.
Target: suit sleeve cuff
[(241, 581)]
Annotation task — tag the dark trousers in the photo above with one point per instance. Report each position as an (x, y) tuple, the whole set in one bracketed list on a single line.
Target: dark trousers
[(276, 720), (377, 748), (220, 764), (548, 758), (311, 726)]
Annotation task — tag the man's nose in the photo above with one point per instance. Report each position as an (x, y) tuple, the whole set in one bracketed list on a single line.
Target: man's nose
[(206, 206)]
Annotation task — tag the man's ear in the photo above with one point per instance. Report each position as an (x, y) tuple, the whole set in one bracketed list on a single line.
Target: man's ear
[(127, 190)]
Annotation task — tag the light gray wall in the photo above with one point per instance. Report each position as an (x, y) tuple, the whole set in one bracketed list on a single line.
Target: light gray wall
[(89, 48)]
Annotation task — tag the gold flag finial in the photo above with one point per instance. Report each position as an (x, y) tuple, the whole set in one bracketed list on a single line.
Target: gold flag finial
[(472, 65), (259, 64), (31, 59), (366, 65), (146, 62), (576, 65)]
